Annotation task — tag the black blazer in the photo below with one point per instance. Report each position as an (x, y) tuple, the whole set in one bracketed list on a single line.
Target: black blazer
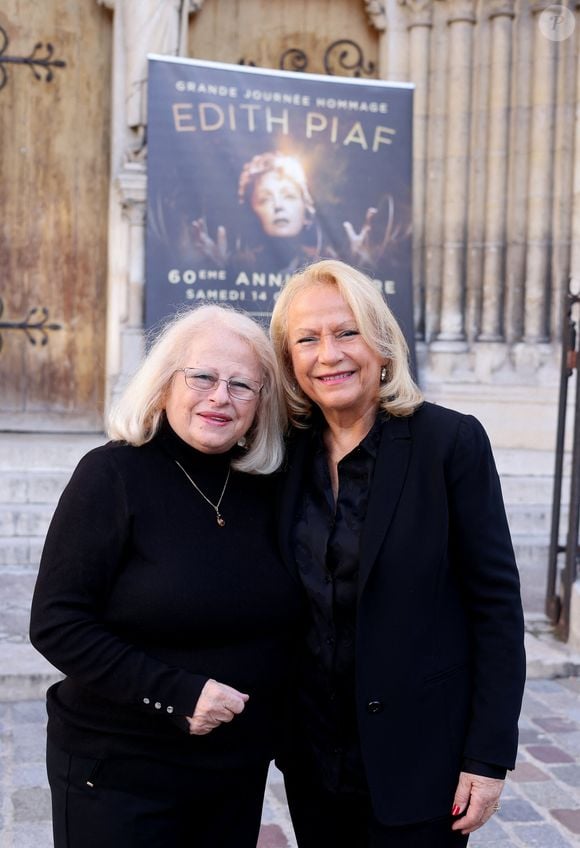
[(440, 663)]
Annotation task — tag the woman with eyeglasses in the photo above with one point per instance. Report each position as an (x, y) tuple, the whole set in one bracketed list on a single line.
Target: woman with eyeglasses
[(162, 599)]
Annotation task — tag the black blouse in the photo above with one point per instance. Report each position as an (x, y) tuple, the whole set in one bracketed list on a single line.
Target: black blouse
[(326, 543)]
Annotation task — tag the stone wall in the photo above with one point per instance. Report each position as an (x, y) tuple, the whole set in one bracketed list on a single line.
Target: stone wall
[(496, 200)]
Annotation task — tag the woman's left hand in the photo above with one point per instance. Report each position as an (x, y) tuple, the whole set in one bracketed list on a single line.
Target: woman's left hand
[(217, 704), (476, 800)]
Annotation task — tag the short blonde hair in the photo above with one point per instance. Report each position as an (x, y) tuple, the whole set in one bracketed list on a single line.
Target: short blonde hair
[(138, 414), (398, 395)]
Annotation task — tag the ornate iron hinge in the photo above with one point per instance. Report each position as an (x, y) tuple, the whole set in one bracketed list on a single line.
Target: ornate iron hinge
[(35, 326), (34, 61), (342, 55)]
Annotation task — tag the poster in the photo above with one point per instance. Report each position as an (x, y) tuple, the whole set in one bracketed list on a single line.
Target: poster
[(252, 174)]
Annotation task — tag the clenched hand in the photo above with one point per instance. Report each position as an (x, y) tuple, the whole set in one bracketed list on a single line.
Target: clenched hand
[(217, 704)]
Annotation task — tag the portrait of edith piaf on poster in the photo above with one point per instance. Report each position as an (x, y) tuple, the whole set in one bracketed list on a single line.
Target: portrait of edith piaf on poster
[(282, 220), (253, 174)]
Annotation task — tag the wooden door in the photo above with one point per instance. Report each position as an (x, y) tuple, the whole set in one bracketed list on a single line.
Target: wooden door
[(54, 178), (316, 36)]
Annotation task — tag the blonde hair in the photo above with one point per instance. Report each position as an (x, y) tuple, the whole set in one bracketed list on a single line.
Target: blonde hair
[(138, 414), (398, 395)]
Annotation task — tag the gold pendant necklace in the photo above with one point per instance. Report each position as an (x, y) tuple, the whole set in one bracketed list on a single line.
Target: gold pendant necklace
[(220, 519)]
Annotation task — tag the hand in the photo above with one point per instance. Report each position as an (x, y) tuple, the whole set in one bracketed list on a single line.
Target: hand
[(477, 797), (359, 243), (368, 247), (217, 704), (216, 250)]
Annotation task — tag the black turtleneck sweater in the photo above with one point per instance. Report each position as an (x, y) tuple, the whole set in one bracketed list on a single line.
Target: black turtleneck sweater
[(141, 598)]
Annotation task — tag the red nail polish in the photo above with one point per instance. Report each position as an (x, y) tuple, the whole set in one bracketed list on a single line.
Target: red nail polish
[(455, 810)]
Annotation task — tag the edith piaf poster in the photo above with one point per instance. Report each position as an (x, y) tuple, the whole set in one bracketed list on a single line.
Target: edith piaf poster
[(254, 173)]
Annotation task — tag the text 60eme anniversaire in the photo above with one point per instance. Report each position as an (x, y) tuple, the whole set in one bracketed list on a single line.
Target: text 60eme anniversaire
[(252, 288)]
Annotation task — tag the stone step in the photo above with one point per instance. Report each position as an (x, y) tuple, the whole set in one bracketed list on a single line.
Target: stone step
[(27, 503), (45, 451), (35, 468), (17, 588), (57, 451), (24, 673), (29, 514), (20, 551), (20, 557), (25, 519), (532, 489), (532, 560), (528, 463), (533, 520), (517, 415), (531, 552), (41, 487)]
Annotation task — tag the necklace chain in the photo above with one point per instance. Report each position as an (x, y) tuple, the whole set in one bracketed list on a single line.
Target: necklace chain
[(216, 506)]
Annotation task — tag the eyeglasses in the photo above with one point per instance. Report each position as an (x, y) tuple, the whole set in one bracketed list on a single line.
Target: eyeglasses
[(205, 381)]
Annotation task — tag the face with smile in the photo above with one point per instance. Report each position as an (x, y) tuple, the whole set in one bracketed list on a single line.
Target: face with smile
[(333, 364), (279, 205), (213, 421)]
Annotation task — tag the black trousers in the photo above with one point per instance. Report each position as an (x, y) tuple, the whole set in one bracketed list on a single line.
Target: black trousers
[(142, 803), (323, 819)]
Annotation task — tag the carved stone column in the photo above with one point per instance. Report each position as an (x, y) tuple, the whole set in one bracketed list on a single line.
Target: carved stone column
[(140, 27), (388, 18), (541, 171), (130, 195), (420, 22), (501, 13), (517, 222), (461, 22)]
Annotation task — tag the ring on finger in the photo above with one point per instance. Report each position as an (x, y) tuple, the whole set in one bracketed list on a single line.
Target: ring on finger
[(496, 807)]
